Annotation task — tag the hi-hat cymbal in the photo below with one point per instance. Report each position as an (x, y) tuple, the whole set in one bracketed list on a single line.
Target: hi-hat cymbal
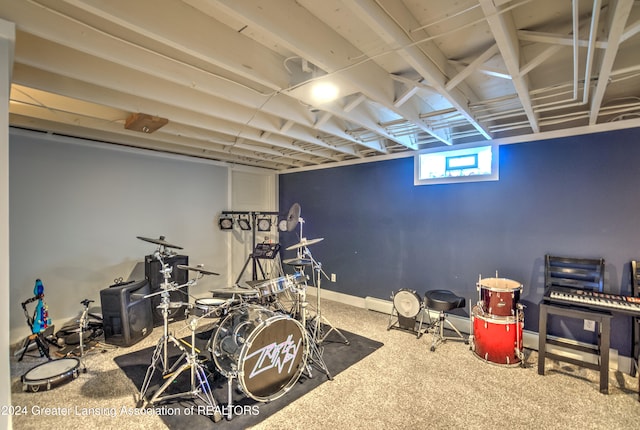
[(196, 269), (298, 262), (305, 242), (159, 241)]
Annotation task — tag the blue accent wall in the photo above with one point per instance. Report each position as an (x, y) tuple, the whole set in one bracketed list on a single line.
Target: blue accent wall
[(575, 196)]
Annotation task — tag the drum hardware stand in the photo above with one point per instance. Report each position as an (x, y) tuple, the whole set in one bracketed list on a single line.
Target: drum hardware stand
[(165, 304), (319, 318), (252, 257), (315, 350), (84, 324), (303, 251), (200, 387)]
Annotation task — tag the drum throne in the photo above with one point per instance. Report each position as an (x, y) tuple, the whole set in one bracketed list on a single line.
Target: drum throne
[(442, 301)]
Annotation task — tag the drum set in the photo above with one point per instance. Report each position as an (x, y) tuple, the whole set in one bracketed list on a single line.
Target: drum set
[(262, 339), (497, 322)]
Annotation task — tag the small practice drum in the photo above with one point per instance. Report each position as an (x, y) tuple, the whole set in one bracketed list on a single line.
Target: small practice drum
[(50, 374), (498, 340), (499, 296), (266, 351), (210, 307), (407, 303)]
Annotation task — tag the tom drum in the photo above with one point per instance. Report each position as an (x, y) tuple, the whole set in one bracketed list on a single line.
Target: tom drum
[(499, 296)]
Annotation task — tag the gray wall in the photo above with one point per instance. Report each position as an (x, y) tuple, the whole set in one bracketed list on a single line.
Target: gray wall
[(76, 209), (574, 196)]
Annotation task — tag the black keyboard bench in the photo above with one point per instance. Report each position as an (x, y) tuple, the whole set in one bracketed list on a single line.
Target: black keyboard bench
[(603, 319)]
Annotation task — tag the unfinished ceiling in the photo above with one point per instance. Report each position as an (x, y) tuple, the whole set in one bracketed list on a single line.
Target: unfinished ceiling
[(234, 78)]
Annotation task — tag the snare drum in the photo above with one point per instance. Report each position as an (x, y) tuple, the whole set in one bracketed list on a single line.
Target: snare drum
[(407, 303), (50, 374), (499, 296), (498, 340), (210, 307)]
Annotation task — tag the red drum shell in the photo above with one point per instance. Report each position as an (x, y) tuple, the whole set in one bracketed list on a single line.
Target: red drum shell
[(498, 340), (499, 296)]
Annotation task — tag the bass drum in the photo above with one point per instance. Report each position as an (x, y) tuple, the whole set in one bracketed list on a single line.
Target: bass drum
[(265, 350)]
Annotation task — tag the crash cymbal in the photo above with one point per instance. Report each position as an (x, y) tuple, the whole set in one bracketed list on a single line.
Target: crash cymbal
[(235, 290), (293, 216), (196, 269), (305, 242), (159, 241), (297, 262)]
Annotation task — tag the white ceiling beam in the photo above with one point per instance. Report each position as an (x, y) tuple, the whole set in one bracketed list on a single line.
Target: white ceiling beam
[(556, 39), (68, 32), (540, 58), (360, 98), (618, 14), (472, 67), (630, 31), (405, 96), (504, 32), (126, 102), (300, 32), (371, 12)]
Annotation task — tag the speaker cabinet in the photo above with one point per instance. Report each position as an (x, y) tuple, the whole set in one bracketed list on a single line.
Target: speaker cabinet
[(126, 313), (153, 273)]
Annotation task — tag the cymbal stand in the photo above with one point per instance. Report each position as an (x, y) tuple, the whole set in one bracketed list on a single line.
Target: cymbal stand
[(200, 388), (84, 325), (161, 352), (317, 329)]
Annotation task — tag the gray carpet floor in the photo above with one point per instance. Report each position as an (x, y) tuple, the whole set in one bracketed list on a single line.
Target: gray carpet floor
[(401, 385)]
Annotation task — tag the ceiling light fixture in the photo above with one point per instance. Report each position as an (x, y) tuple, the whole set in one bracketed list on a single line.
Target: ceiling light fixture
[(323, 92)]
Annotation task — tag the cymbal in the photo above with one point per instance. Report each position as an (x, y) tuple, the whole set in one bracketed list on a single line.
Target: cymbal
[(159, 241), (304, 242), (297, 262), (196, 269), (234, 290), (293, 216)]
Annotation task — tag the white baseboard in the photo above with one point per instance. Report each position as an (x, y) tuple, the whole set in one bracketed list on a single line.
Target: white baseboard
[(529, 338)]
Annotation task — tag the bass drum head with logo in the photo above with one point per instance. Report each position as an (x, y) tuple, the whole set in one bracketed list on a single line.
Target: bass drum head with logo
[(267, 351), (407, 303), (50, 374)]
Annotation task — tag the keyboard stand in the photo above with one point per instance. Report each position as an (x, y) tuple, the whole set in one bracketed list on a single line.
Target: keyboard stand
[(602, 349)]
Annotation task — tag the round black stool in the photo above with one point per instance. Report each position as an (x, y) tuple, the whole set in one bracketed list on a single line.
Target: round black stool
[(442, 301)]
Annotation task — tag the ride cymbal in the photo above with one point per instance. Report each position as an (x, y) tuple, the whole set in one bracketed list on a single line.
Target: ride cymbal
[(159, 241), (305, 242), (196, 269)]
